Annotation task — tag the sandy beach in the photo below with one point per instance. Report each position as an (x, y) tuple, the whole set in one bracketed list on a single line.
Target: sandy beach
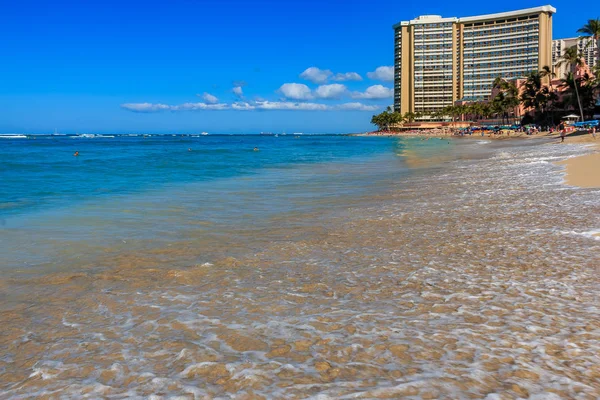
[(583, 171)]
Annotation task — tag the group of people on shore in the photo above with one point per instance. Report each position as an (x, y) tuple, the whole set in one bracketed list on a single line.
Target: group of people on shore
[(489, 132)]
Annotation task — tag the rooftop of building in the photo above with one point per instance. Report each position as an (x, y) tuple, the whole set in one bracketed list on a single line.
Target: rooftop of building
[(573, 38), (429, 19)]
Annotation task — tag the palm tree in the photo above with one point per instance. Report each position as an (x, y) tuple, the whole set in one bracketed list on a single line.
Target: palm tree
[(592, 30), (453, 111), (475, 109), (409, 116), (546, 72), (498, 105), (572, 58), (532, 95), (499, 83), (396, 118), (507, 98), (585, 87), (385, 119)]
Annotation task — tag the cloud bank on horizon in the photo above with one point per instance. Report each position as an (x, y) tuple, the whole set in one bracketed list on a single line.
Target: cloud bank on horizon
[(294, 96), (249, 106)]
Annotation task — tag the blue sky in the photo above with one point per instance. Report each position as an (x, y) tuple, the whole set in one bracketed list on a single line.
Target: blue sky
[(218, 66)]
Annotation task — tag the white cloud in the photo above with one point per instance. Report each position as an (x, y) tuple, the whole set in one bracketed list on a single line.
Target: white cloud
[(385, 74), (374, 92), (347, 76), (296, 91), (333, 91), (356, 107), (209, 98), (289, 105), (199, 106), (149, 107), (242, 106), (145, 107), (316, 75), (238, 91), (248, 106)]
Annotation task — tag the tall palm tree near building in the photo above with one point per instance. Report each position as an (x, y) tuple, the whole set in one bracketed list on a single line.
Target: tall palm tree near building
[(585, 86), (387, 118), (506, 99), (592, 30), (546, 72), (409, 116), (531, 91), (537, 96), (573, 59), (475, 109)]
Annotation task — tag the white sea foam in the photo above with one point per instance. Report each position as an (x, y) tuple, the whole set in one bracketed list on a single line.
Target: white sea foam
[(13, 136), (458, 283)]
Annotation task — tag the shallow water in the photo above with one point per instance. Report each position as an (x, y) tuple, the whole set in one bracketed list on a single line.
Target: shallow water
[(416, 271)]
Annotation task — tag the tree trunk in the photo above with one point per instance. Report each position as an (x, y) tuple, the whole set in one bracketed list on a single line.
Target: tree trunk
[(577, 94), (598, 51)]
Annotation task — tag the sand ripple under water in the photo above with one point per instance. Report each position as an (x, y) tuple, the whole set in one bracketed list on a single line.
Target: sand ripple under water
[(475, 280)]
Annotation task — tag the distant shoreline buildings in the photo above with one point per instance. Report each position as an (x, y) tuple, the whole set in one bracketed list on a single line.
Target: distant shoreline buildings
[(439, 61), (586, 46)]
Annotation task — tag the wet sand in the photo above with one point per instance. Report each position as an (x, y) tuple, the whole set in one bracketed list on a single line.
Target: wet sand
[(584, 171), (469, 279)]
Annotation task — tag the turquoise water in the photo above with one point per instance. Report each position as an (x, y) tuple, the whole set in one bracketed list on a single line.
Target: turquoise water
[(134, 192), (43, 172)]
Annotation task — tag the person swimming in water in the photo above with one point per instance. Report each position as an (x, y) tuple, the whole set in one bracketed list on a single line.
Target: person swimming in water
[(76, 154), (256, 149)]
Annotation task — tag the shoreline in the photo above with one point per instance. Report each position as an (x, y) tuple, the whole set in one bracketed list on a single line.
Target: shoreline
[(579, 138), (578, 171), (582, 171)]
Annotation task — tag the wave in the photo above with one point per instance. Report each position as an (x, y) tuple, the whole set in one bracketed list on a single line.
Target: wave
[(91, 136), (13, 137)]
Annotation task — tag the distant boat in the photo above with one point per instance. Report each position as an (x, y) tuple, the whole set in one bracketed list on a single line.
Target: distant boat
[(204, 133)]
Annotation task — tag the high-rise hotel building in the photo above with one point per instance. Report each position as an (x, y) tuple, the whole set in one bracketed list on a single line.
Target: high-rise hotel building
[(438, 61)]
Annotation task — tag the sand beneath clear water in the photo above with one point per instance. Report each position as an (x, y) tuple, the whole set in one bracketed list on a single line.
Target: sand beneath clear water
[(474, 279)]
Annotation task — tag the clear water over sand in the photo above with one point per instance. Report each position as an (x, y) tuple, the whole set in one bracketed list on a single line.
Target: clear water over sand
[(394, 268)]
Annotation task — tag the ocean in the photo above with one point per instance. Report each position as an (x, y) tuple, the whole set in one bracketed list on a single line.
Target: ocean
[(295, 266)]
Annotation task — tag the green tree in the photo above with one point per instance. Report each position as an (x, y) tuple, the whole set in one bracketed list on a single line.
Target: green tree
[(547, 72), (536, 96), (583, 88), (386, 119), (409, 116), (572, 59), (530, 91), (506, 99), (592, 30), (487, 110)]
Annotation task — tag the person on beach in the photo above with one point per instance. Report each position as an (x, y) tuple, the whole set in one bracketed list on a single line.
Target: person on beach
[(562, 135), (593, 132)]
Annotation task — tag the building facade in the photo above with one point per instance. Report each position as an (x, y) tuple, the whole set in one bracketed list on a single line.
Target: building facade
[(438, 61), (585, 46)]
